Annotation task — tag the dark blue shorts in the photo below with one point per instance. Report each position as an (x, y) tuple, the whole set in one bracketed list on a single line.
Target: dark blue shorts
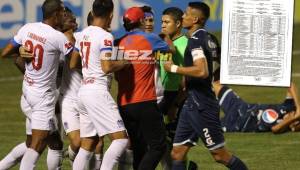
[(203, 122)]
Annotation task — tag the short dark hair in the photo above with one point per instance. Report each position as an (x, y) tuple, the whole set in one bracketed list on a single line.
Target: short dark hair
[(49, 7), (147, 9), (89, 18), (175, 12), (103, 8), (128, 25), (68, 10), (201, 6)]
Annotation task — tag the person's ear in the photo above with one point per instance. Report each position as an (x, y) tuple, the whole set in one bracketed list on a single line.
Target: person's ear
[(178, 24), (195, 20), (142, 21), (111, 15)]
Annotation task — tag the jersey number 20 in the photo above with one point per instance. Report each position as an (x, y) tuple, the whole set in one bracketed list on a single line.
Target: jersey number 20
[(38, 53)]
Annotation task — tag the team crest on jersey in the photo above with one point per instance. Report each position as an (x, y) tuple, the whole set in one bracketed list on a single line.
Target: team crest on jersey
[(269, 116), (107, 42), (68, 45), (212, 44)]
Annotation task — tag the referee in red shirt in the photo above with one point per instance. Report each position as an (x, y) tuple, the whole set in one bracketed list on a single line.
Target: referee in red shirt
[(136, 91)]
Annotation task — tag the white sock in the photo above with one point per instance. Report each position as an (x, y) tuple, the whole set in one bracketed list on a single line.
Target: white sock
[(113, 153), (126, 160), (29, 159), (82, 159), (13, 157), (72, 155), (98, 161), (54, 159)]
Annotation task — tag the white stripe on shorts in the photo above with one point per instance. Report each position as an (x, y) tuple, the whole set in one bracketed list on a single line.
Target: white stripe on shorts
[(224, 95), (185, 142)]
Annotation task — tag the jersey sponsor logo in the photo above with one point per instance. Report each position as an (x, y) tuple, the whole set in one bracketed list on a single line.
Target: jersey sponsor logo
[(120, 53), (269, 116)]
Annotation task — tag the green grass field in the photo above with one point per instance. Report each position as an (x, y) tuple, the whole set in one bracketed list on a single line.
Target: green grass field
[(263, 151)]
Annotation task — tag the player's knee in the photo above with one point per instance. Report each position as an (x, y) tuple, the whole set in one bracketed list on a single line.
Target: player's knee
[(89, 143), (177, 155), (75, 141), (38, 144)]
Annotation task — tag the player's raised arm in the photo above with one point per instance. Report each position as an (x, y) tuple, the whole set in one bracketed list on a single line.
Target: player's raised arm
[(14, 44), (8, 50), (108, 64), (199, 68)]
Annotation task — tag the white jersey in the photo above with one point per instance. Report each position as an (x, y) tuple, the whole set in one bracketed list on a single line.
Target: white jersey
[(47, 44), (71, 79), (92, 42)]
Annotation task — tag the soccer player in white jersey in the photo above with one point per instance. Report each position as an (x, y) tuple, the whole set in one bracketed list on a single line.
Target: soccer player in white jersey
[(70, 84), (39, 82), (99, 115)]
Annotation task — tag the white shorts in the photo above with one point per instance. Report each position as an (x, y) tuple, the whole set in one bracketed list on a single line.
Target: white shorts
[(69, 114), (26, 109), (99, 113), (42, 111)]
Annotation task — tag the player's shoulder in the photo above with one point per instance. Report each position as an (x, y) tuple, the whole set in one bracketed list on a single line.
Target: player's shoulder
[(29, 26), (183, 39), (97, 33), (199, 35)]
